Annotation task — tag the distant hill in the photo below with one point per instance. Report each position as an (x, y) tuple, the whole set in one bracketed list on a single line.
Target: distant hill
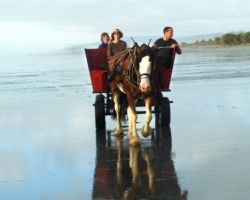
[(189, 39), (193, 39), (140, 39)]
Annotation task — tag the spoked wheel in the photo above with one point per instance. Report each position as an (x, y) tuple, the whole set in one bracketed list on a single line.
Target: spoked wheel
[(165, 111), (99, 112), (157, 108)]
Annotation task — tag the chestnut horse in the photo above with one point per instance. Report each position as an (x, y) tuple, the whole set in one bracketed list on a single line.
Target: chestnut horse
[(131, 72)]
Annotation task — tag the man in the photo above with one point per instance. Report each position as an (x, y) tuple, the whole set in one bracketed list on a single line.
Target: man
[(165, 46)]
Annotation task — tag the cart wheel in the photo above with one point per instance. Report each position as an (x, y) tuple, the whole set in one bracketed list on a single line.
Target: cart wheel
[(99, 112), (165, 111), (157, 107)]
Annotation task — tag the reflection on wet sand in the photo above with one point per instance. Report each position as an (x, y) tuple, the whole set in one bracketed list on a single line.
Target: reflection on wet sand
[(144, 172)]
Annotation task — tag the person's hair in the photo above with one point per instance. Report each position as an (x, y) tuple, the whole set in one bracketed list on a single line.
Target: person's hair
[(166, 29), (103, 35), (114, 31)]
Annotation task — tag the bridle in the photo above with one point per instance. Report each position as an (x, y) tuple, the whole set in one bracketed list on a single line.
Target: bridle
[(145, 75), (146, 52), (132, 74)]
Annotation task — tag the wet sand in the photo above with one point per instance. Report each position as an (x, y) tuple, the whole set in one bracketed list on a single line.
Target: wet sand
[(51, 150)]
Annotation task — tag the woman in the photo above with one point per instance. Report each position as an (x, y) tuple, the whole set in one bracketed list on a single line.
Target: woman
[(104, 40), (116, 44)]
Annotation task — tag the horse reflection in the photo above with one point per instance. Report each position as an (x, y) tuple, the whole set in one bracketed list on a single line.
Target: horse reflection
[(139, 173), (136, 188)]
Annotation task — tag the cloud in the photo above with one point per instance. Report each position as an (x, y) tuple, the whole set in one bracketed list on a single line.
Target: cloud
[(39, 37), (65, 22)]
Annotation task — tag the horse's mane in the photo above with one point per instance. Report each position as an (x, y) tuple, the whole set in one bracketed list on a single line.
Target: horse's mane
[(145, 50)]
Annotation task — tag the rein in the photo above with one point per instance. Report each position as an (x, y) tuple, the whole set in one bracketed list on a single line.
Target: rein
[(132, 74)]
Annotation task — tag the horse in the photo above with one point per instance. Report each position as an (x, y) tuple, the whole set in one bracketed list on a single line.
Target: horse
[(131, 76)]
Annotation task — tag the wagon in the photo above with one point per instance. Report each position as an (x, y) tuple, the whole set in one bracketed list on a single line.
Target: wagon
[(97, 65)]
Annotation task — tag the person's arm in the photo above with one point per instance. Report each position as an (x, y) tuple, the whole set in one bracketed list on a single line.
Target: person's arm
[(177, 48)]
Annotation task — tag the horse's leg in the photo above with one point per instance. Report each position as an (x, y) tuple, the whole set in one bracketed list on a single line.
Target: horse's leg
[(146, 129), (118, 129), (134, 138)]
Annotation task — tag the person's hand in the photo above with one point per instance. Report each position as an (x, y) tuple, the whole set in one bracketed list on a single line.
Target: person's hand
[(176, 47), (173, 46)]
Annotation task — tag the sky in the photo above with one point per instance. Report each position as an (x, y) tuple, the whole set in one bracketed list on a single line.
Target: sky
[(28, 26)]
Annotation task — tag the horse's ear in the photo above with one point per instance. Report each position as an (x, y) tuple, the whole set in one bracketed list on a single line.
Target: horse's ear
[(138, 48), (149, 42), (154, 48)]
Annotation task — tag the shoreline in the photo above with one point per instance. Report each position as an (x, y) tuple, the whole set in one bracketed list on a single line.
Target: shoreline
[(196, 47)]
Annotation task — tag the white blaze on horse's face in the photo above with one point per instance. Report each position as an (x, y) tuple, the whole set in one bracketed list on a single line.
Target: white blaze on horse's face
[(145, 71)]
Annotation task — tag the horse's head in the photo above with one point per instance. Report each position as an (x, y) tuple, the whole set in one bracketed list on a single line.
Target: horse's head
[(146, 62)]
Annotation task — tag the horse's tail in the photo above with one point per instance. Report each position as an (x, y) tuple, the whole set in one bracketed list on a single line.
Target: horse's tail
[(124, 105)]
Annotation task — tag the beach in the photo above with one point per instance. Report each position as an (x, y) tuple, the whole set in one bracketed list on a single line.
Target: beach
[(50, 148)]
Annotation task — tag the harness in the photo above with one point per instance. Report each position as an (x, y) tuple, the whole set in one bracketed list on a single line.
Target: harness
[(131, 74)]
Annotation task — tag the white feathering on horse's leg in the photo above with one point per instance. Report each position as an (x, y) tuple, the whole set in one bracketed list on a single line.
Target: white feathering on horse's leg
[(134, 140), (146, 129), (118, 130), (130, 125)]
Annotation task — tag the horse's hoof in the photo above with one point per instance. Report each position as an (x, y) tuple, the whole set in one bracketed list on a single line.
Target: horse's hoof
[(135, 142), (146, 132), (130, 136), (118, 132)]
